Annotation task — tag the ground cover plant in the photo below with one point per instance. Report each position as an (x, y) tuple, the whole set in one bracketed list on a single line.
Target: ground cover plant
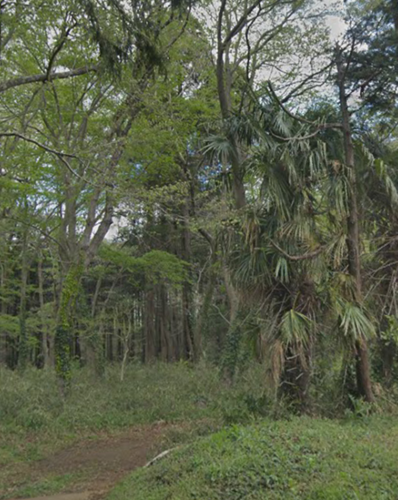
[(303, 458), (49, 442), (36, 421)]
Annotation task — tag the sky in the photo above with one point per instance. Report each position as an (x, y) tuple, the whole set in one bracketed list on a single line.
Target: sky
[(337, 26)]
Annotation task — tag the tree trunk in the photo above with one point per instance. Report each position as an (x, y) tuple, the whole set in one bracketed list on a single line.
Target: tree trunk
[(187, 294), (3, 309), (44, 326), (353, 238), (23, 353), (63, 333), (296, 379), (165, 348), (149, 330), (224, 87), (364, 382), (187, 322), (203, 312), (94, 350), (388, 352), (232, 294)]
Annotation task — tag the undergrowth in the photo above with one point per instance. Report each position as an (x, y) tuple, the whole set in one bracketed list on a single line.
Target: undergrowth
[(304, 458), (35, 421), (175, 392)]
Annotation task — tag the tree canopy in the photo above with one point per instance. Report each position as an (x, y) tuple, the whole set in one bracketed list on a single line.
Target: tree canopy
[(214, 179)]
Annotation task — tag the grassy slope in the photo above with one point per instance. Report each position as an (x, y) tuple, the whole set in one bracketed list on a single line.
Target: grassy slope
[(35, 422), (298, 459)]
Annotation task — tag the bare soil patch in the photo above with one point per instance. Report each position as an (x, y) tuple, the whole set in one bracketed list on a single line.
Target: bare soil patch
[(101, 462)]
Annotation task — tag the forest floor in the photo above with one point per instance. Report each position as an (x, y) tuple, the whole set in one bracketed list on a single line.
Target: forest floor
[(90, 467), (315, 459), (232, 441), (303, 458), (104, 428)]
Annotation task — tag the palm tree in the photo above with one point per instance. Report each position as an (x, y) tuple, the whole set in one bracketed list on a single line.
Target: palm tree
[(289, 257)]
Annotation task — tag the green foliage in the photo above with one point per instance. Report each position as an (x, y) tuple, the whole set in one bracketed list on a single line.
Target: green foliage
[(354, 322), (296, 459), (35, 419), (155, 266), (69, 294), (49, 486), (160, 265), (175, 392), (10, 324), (140, 141), (295, 328), (236, 353), (390, 335)]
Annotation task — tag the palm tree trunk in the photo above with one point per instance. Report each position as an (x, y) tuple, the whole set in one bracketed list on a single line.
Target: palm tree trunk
[(353, 237)]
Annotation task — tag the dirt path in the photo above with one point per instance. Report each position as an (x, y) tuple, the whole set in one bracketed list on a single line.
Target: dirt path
[(102, 462), (84, 495)]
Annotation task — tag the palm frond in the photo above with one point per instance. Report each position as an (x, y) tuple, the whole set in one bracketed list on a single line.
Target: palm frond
[(354, 321), (217, 146), (295, 328)]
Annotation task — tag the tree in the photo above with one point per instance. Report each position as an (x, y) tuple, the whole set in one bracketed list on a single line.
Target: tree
[(71, 132)]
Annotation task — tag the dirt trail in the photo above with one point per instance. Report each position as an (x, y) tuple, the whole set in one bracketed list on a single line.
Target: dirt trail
[(102, 462), (84, 495)]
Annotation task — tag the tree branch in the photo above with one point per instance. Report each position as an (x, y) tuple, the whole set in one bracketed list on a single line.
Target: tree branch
[(299, 118), (25, 80), (61, 156), (295, 258), (58, 48)]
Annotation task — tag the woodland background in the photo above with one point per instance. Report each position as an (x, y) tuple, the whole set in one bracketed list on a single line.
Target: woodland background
[(209, 181)]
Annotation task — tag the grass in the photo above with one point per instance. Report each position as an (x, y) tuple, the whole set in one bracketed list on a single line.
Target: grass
[(31, 402), (35, 421), (303, 458), (48, 486), (286, 459)]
